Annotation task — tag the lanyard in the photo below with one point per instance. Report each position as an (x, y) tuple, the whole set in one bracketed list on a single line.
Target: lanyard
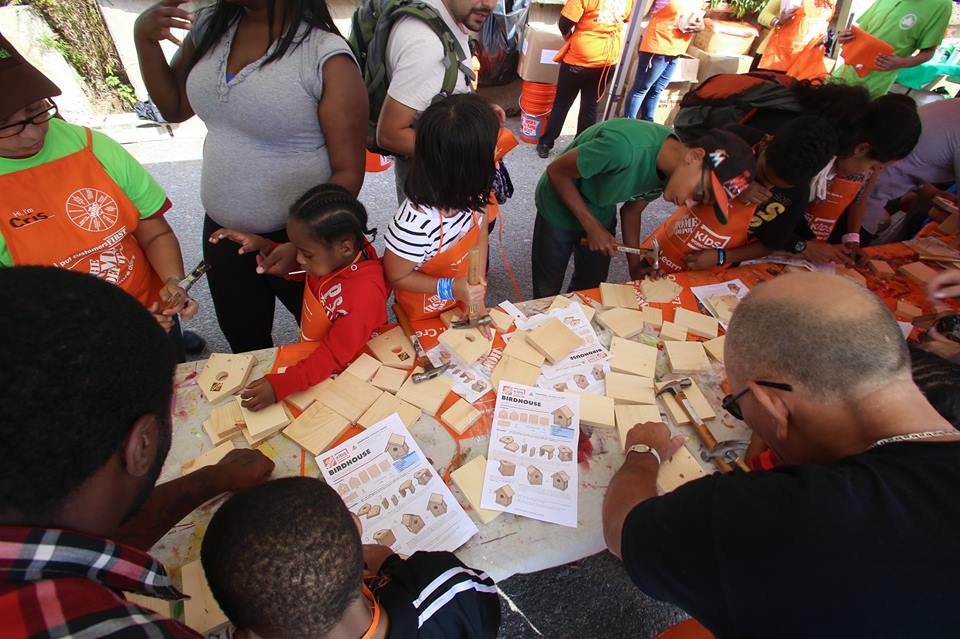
[(376, 612)]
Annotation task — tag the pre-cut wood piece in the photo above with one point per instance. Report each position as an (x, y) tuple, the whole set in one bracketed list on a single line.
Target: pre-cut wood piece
[(907, 311), (385, 406), (686, 357), (697, 323), (348, 396), (501, 320), (629, 415), (714, 347), (364, 367), (519, 348), (618, 295), (427, 395), (225, 422), (697, 399), (683, 467), (317, 428), (461, 416), (301, 399), (622, 322), (633, 357), (514, 370), (853, 275), (469, 478), (466, 344), (209, 458), (223, 375), (265, 422), (389, 379), (393, 348), (917, 272), (652, 316), (561, 301), (630, 389), (671, 331), (659, 291), (596, 410), (554, 340), (881, 268), (200, 611), (451, 316)]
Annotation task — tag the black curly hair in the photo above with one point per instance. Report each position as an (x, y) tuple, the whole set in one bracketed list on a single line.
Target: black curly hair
[(82, 361), (891, 126), (801, 148)]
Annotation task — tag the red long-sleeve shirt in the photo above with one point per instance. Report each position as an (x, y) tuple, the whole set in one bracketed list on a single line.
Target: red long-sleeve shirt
[(356, 304)]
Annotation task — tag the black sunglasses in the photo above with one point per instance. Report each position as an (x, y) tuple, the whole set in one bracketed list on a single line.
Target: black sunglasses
[(49, 111), (731, 402)]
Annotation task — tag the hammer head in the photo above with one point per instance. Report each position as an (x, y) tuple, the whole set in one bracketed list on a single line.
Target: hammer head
[(674, 387), (655, 254), (471, 323)]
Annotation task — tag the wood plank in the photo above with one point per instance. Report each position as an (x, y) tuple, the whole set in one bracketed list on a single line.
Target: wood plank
[(629, 415), (597, 410), (670, 331), (348, 396), (660, 291), (633, 357), (501, 320), (697, 399), (225, 422), (210, 458), (393, 348), (264, 422), (364, 367), (629, 389), (686, 357), (554, 340), (317, 428), (683, 467), (881, 268), (387, 405), (466, 344), (223, 375), (451, 316), (622, 322), (618, 295), (918, 273), (907, 311), (697, 323), (714, 347), (511, 369), (461, 416), (389, 379), (427, 396), (519, 348), (200, 611), (652, 316), (469, 479)]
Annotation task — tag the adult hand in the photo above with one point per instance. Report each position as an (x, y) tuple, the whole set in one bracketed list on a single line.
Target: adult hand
[(374, 555), (258, 394), (599, 240), (249, 242), (943, 346), (180, 303), (822, 253), (756, 193), (702, 261), (845, 36), (656, 435), (281, 261), (155, 24), (944, 286), (243, 468), (886, 62)]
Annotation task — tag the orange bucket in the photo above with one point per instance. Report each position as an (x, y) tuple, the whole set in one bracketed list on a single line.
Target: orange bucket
[(536, 103), (375, 163)]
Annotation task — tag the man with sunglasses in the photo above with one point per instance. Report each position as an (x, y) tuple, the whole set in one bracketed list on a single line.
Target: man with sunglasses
[(855, 534), (76, 199), (616, 162)]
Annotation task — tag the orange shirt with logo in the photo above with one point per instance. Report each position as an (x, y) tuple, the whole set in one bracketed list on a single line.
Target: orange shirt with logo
[(597, 40)]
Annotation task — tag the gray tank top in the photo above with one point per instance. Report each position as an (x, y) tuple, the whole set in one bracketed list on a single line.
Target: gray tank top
[(264, 146)]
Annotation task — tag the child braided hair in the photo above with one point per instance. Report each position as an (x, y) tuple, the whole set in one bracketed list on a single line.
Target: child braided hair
[(332, 213)]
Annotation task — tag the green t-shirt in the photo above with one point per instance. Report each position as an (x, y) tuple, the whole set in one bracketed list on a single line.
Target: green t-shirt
[(62, 140), (907, 25), (617, 161)]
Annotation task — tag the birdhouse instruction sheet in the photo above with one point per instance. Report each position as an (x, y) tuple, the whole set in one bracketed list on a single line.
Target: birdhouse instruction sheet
[(387, 481), (532, 460)]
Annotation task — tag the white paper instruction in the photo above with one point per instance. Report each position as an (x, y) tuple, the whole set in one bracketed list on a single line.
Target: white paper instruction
[(584, 357), (532, 459), (386, 480)]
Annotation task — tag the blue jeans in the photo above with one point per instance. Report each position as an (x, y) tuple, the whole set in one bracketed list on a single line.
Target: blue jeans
[(653, 75)]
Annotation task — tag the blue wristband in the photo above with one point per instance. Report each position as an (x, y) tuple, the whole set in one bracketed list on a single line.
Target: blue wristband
[(445, 288), (721, 257)]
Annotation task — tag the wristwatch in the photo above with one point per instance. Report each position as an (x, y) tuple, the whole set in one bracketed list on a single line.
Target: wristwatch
[(800, 246), (643, 448)]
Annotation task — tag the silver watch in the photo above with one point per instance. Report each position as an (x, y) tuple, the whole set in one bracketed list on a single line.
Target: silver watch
[(643, 448)]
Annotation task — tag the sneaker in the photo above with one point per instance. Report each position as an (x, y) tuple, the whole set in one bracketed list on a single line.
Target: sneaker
[(543, 150), (193, 344)]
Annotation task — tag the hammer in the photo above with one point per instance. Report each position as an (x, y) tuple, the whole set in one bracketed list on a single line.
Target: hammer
[(675, 388), (183, 287), (652, 254), (429, 370), (473, 278)]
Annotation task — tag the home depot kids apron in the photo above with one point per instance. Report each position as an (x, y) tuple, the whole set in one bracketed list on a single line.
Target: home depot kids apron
[(822, 216), (811, 20), (662, 35), (69, 213), (315, 324), (690, 231)]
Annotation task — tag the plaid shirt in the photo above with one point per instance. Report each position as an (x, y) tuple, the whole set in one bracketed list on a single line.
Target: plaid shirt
[(57, 583)]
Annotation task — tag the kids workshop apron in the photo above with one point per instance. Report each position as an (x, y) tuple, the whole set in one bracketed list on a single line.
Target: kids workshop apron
[(690, 231), (449, 263), (811, 20), (822, 216), (69, 213), (315, 324)]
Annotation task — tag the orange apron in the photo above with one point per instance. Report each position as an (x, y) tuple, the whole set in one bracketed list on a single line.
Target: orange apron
[(690, 231), (662, 35), (812, 20), (69, 213), (822, 216), (315, 324)]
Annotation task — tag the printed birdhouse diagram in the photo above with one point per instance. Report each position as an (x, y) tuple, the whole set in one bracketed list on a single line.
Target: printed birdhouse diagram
[(547, 451), (406, 487), (413, 523), (598, 372), (534, 476), (507, 469), (385, 537), (581, 381), (563, 416), (436, 505), (509, 444), (422, 476), (504, 495), (565, 453), (397, 446), (561, 480)]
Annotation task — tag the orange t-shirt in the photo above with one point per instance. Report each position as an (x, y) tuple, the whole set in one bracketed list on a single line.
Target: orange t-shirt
[(662, 36), (598, 37)]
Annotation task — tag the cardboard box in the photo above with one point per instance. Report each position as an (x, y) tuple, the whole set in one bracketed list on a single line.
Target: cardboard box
[(537, 49), (723, 36), (711, 64), (687, 70), (669, 103)]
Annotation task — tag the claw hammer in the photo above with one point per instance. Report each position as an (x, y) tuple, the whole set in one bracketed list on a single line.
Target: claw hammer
[(652, 254), (429, 370), (473, 278)]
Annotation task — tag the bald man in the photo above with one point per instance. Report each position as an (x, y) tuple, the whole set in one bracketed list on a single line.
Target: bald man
[(856, 536)]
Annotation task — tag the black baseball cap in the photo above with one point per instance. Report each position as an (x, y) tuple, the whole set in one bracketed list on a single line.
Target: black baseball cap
[(732, 166), (24, 84)]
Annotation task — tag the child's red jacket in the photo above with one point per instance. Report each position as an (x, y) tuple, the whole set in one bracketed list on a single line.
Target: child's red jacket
[(355, 301)]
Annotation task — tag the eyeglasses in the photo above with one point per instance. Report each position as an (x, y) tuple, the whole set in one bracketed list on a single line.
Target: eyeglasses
[(731, 403), (703, 190), (48, 113)]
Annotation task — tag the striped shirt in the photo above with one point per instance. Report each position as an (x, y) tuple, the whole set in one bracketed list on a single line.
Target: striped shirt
[(432, 595), (57, 583), (414, 234)]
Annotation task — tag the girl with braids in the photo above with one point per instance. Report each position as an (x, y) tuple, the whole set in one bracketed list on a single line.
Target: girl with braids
[(345, 298), (285, 109)]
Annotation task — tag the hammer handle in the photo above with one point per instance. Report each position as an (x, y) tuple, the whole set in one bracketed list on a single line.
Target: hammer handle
[(705, 435), (623, 249), (473, 274)]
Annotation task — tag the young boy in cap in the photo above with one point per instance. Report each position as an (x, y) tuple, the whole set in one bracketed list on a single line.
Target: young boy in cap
[(297, 568), (620, 161), (76, 199)]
